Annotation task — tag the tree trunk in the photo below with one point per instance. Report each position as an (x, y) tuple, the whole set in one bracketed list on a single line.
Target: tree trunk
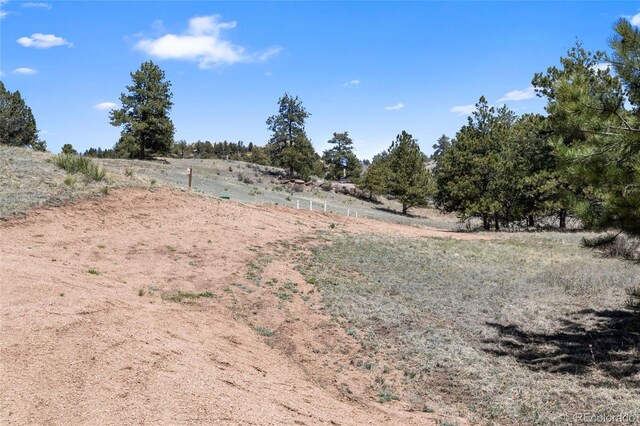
[(563, 219), (142, 148), (530, 221), (496, 223), (405, 208), (485, 222)]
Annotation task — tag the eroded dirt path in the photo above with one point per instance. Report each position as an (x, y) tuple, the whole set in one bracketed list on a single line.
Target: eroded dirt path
[(90, 335)]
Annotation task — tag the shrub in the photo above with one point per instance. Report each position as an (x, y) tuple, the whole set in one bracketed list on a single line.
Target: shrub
[(263, 331), (70, 180), (387, 395), (179, 296), (246, 179), (79, 164)]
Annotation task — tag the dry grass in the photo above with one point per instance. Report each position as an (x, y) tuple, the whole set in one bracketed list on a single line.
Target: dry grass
[(27, 181), (528, 329), (525, 330)]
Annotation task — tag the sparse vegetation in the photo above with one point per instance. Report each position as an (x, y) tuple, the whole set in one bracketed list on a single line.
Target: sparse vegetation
[(493, 317), (70, 180), (79, 164), (385, 395), (263, 331), (179, 296)]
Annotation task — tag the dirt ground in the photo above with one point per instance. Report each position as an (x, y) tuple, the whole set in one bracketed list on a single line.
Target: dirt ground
[(91, 332)]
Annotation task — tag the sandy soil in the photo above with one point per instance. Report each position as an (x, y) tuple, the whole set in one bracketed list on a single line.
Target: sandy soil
[(110, 348)]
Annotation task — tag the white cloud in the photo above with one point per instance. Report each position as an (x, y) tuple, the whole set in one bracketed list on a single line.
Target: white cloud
[(395, 107), (463, 109), (203, 43), (355, 82), (519, 95), (25, 71), (633, 19), (37, 5), (105, 106), (43, 41), (602, 66), (3, 13)]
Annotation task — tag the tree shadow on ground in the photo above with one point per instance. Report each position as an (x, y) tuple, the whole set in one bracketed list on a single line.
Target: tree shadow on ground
[(587, 341)]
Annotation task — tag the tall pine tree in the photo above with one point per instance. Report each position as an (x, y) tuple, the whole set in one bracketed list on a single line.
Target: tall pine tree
[(144, 115), (340, 160), (289, 146), (17, 124), (408, 178)]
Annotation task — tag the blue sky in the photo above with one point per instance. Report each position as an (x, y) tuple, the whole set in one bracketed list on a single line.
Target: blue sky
[(370, 68)]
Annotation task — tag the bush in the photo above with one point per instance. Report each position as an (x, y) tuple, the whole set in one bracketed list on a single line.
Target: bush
[(78, 164), (245, 179)]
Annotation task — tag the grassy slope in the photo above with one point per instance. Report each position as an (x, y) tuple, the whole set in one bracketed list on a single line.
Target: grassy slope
[(27, 181), (528, 329)]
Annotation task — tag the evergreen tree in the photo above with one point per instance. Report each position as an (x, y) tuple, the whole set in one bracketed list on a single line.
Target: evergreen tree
[(67, 148), (408, 179), (532, 170), (289, 146), (340, 159), (572, 194), (471, 176), (144, 115), (440, 147), (375, 178), (606, 158), (17, 124), (181, 148)]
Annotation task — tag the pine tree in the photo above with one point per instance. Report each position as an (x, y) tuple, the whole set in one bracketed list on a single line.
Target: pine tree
[(471, 176), (442, 144), (408, 179), (289, 146), (340, 160), (17, 124), (68, 149), (144, 115), (606, 159), (375, 178), (572, 193)]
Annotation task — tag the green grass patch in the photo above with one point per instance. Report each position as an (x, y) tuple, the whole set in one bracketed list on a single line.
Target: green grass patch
[(386, 395), (180, 296), (79, 164), (263, 331)]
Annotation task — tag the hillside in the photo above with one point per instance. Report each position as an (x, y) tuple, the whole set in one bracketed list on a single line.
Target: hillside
[(132, 300)]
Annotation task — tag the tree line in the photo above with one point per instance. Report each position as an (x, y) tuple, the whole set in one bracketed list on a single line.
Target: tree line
[(580, 159)]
